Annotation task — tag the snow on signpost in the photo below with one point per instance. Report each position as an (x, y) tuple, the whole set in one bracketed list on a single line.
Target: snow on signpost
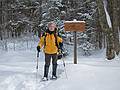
[(75, 26)]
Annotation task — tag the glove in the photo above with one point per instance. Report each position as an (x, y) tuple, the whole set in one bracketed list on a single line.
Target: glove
[(38, 48)]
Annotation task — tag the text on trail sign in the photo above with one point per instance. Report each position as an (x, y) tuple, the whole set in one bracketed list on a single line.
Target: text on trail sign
[(78, 26)]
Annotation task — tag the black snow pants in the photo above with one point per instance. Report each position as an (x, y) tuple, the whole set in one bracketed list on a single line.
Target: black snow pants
[(47, 64)]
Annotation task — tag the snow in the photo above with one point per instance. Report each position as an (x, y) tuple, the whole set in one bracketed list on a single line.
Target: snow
[(107, 14), (74, 21), (18, 72), (88, 77)]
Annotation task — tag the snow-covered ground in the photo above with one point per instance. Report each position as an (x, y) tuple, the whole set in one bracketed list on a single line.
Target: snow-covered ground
[(18, 72)]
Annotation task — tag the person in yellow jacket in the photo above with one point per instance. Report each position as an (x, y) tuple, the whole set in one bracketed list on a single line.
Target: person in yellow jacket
[(50, 43)]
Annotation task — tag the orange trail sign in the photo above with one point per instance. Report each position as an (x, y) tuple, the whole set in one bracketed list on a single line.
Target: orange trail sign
[(78, 26)]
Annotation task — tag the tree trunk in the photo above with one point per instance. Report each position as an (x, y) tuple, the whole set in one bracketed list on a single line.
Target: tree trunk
[(115, 26), (110, 54), (99, 36), (119, 13), (114, 14), (1, 13)]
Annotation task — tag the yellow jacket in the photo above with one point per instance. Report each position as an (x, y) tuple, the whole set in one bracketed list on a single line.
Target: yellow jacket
[(50, 45)]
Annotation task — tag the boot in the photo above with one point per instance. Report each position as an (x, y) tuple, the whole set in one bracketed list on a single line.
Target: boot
[(54, 77), (45, 79)]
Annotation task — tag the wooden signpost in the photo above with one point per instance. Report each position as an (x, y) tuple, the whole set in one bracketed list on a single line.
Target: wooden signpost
[(75, 26)]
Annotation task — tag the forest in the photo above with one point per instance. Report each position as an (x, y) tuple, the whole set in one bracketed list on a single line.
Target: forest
[(24, 20)]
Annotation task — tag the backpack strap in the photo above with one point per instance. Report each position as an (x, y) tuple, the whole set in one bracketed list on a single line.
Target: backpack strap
[(44, 35), (56, 43)]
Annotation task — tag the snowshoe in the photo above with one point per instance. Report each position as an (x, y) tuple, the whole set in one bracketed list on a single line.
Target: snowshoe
[(53, 77), (44, 79)]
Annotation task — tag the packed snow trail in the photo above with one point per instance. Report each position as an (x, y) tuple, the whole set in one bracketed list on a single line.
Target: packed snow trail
[(90, 76), (18, 72)]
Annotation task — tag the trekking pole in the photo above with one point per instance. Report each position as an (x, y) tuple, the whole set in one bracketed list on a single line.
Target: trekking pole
[(37, 60), (64, 67), (37, 67)]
